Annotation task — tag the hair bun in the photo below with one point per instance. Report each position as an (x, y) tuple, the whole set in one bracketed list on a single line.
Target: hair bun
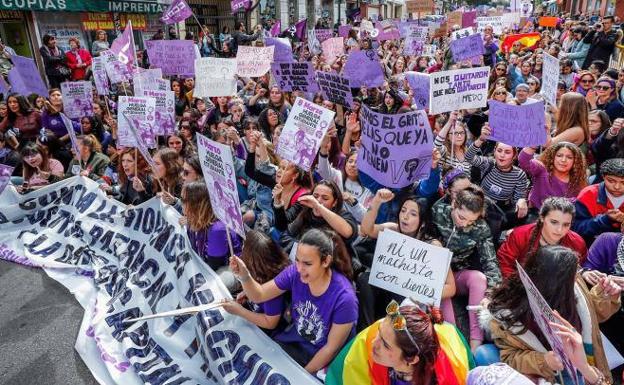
[(435, 315)]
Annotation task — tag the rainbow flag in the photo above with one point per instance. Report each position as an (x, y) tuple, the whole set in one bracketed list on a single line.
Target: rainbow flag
[(354, 363)]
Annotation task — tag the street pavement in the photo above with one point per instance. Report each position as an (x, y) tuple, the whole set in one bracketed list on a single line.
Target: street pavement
[(39, 321)]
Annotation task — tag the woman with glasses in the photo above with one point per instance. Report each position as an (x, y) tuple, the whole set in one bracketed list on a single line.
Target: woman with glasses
[(500, 94), (534, 88), (38, 168), (324, 307), (452, 142), (584, 83), (521, 342), (463, 230), (604, 97), (409, 346)]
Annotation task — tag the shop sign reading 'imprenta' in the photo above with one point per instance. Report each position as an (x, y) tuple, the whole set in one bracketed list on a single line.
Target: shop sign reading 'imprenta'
[(84, 6)]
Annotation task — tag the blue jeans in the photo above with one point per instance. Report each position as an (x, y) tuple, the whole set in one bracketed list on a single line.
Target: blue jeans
[(486, 354)]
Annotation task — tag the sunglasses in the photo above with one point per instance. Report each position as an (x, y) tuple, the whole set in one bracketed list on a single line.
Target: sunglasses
[(500, 93), (602, 88), (587, 80), (532, 83), (399, 323), (500, 69)]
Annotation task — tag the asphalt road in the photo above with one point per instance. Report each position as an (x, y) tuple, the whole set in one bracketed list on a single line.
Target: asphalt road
[(39, 321)]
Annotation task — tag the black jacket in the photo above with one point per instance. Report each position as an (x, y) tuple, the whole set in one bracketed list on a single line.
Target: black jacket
[(601, 46), (51, 62)]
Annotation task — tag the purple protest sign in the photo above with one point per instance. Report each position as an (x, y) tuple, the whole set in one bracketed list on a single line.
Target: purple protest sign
[(343, 30), (5, 176), (396, 149), (218, 169), (283, 49), (136, 127), (236, 5), (419, 84), (123, 47), (174, 57), (543, 316), (100, 79), (518, 126), (469, 19), (364, 69), (77, 99), (276, 29), (164, 115), (387, 30), (116, 71), (413, 47), (323, 34), (335, 88), (333, 48), (295, 77), (467, 47), (24, 77), (178, 11), (301, 136)]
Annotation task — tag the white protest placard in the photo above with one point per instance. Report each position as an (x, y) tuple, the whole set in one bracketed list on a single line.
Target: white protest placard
[(100, 78), (253, 61), (510, 20), (214, 77), (464, 32), (550, 78), (333, 48), (458, 89), (150, 79), (543, 315), (136, 112), (406, 266), (496, 22), (77, 99), (218, 168), (164, 117), (301, 136)]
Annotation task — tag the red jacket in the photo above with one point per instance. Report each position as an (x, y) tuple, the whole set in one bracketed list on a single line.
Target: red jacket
[(72, 63), (516, 247)]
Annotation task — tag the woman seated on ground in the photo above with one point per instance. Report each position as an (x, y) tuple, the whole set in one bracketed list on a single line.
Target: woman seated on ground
[(264, 260), (559, 172), (135, 179), (452, 141), (514, 329), (22, 116), (207, 233), (465, 233), (167, 171), (552, 228), (407, 347), (94, 125), (324, 307), (38, 169), (90, 162)]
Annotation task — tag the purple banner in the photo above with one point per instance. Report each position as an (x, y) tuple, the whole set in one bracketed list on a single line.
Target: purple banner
[(387, 30), (303, 131), (323, 34), (469, 19), (364, 69), (335, 88), (5, 176), (236, 5), (276, 29), (24, 77), (77, 99), (295, 77), (396, 149), (123, 47), (343, 30), (419, 83), (283, 49), (174, 57), (467, 47), (413, 47), (178, 11), (518, 126)]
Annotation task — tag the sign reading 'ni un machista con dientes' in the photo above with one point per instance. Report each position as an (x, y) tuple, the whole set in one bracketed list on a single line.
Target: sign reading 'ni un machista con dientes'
[(84, 6)]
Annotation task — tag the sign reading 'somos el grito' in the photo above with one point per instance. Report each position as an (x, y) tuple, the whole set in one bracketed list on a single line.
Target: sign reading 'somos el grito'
[(84, 6)]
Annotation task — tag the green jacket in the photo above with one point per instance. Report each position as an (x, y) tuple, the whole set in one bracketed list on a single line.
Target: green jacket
[(464, 242), (96, 165)]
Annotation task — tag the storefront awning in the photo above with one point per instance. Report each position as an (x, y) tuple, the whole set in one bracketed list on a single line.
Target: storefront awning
[(123, 6)]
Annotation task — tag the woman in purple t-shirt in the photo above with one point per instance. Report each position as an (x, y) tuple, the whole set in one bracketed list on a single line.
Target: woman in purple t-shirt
[(324, 306), (264, 260)]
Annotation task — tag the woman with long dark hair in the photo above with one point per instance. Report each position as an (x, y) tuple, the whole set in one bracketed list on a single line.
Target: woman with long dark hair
[(522, 344), (167, 169), (38, 169), (324, 307), (94, 125), (21, 116)]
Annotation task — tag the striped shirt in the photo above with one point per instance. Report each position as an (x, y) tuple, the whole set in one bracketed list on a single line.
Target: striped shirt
[(446, 161), (505, 187)]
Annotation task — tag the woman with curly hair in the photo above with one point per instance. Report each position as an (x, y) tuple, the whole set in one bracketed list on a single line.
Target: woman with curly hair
[(559, 172)]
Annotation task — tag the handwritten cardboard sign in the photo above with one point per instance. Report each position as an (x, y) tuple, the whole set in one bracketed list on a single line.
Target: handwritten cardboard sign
[(419, 6), (295, 77), (301, 137), (458, 89), (518, 126), (253, 61), (467, 47), (496, 22), (215, 77), (395, 148), (335, 88), (323, 34), (406, 266), (550, 78)]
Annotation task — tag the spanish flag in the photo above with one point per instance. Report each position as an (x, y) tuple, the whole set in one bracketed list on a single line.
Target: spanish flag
[(528, 40), (354, 364)]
